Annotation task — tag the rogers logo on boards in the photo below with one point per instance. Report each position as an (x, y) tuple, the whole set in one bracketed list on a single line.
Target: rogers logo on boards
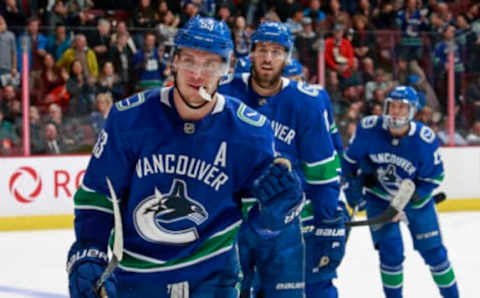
[(26, 184), (27, 175)]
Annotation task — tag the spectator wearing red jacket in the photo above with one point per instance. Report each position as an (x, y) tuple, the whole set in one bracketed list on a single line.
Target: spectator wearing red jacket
[(339, 53)]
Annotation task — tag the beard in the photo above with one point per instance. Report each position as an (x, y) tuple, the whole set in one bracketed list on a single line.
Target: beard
[(266, 81)]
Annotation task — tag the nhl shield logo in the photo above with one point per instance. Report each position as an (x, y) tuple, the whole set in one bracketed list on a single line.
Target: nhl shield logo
[(170, 218)]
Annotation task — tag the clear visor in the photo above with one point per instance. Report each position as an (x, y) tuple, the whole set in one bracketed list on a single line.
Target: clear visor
[(209, 67), (273, 53), (398, 120)]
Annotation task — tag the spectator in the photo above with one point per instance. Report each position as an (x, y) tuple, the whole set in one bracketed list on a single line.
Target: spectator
[(339, 53), (295, 22), (335, 92), (380, 82), (147, 63), (241, 39), (473, 46), (7, 130), (37, 45), (11, 103), (441, 66), (473, 138), (50, 85), (53, 142), (304, 43), (336, 16), (37, 144), (363, 39), (14, 17), (122, 59), (411, 21), (365, 10), (121, 29), (143, 17), (161, 11), (224, 14), (444, 135), (385, 17), (81, 52), (100, 40), (69, 131), (8, 52), (167, 28), (58, 15), (287, 9), (103, 104), (81, 90), (109, 82), (58, 43), (473, 97), (316, 15), (190, 9)]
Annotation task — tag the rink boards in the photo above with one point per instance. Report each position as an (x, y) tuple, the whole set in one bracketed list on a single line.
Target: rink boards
[(36, 192)]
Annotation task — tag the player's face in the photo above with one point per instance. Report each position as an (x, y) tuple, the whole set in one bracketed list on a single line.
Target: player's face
[(398, 110), (197, 69), (268, 61)]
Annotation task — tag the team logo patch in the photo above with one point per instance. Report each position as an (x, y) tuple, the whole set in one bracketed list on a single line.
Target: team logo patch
[(170, 218), (389, 178)]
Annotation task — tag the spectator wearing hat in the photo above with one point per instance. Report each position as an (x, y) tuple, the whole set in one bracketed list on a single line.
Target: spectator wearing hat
[(339, 53)]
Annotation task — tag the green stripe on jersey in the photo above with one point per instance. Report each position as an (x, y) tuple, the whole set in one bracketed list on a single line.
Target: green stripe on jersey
[(85, 199), (445, 278), (215, 245), (392, 280), (247, 204), (322, 172)]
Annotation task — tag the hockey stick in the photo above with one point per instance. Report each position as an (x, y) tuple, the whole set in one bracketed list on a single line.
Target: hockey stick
[(439, 197), (117, 245), (398, 203)]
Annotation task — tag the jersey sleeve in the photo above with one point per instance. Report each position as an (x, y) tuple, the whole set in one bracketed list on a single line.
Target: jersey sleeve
[(430, 173), (332, 126), (320, 161), (110, 158)]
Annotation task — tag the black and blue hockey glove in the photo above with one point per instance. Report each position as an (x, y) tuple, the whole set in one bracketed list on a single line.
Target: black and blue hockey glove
[(84, 266), (327, 244), (280, 195)]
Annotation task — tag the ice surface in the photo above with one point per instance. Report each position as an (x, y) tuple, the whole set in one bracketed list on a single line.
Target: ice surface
[(32, 264)]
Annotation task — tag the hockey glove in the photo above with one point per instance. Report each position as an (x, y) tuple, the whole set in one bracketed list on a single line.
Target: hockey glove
[(85, 265), (280, 195), (326, 244), (352, 187)]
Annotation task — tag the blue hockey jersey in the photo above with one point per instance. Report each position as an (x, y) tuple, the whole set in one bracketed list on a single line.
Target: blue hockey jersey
[(415, 156), (177, 180), (301, 127)]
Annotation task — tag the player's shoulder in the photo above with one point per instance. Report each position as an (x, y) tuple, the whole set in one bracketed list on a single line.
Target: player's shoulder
[(423, 134), (303, 94), (235, 79), (370, 123), (246, 120), (140, 105)]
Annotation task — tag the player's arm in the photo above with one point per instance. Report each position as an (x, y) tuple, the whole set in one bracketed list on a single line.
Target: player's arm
[(87, 257), (272, 182), (356, 167), (430, 172)]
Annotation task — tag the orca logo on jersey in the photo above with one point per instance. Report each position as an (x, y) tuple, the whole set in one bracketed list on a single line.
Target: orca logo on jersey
[(165, 218), (389, 178)]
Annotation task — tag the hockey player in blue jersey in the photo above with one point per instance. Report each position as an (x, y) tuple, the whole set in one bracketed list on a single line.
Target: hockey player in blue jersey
[(176, 157), (384, 151), (299, 120)]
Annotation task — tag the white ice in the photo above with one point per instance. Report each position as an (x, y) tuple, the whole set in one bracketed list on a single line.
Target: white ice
[(32, 264)]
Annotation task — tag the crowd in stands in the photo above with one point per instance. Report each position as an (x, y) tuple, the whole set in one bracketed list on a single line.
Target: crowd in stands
[(85, 55)]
